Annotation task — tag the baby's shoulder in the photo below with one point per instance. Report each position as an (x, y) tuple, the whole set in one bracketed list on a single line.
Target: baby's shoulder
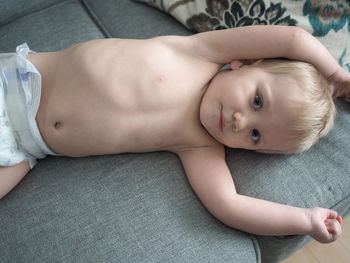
[(204, 160)]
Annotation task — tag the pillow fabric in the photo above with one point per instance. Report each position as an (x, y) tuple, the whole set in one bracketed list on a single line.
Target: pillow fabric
[(329, 21)]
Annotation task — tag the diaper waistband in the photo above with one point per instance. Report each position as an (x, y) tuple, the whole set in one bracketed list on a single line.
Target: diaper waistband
[(22, 83), (33, 100)]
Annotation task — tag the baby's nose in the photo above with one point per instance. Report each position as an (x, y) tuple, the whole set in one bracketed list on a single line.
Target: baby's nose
[(239, 121)]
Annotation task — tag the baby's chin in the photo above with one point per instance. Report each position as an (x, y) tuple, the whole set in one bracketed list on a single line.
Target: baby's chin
[(215, 134)]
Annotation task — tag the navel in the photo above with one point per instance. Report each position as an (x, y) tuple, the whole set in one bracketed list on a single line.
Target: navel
[(58, 125)]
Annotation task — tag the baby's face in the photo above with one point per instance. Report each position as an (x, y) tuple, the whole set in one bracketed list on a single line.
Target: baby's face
[(250, 109)]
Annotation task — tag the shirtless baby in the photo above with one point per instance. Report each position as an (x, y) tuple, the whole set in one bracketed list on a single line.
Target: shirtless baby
[(118, 95)]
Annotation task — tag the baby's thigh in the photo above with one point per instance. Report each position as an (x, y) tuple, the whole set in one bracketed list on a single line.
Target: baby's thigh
[(10, 176)]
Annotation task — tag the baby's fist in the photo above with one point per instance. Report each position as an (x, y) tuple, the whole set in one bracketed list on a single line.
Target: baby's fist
[(325, 224), (334, 228)]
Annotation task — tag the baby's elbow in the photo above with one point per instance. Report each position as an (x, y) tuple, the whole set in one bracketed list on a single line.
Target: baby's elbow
[(296, 32), (298, 36), (220, 204), (296, 39)]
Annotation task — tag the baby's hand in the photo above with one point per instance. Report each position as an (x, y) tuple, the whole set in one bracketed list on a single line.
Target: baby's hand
[(325, 224), (341, 82)]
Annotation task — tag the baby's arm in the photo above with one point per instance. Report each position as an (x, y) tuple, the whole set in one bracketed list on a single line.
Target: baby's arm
[(211, 179), (255, 42)]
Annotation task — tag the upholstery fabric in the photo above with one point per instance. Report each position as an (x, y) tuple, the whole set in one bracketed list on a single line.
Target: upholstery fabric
[(119, 208), (327, 20), (129, 19)]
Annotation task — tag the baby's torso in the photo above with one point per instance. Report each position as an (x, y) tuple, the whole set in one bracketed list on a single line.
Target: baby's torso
[(112, 96)]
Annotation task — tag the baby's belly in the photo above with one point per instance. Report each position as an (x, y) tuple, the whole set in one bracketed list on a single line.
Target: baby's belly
[(80, 112), (78, 132), (77, 121)]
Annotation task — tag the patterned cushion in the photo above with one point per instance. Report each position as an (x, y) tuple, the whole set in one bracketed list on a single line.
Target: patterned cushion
[(329, 21)]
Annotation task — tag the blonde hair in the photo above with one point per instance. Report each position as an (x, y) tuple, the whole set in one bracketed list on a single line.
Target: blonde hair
[(313, 116)]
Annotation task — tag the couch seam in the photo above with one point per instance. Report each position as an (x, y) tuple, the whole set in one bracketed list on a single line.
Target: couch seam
[(256, 248), (340, 201), (95, 18)]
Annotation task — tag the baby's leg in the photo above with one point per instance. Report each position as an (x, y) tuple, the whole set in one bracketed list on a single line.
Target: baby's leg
[(10, 176)]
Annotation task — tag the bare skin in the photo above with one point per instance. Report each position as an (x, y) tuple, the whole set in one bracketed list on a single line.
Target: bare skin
[(113, 96)]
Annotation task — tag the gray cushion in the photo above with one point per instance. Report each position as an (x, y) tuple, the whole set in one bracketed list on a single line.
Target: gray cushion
[(11, 10), (129, 19), (120, 208), (53, 28)]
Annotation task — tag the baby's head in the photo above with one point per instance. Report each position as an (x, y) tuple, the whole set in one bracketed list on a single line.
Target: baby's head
[(313, 116), (292, 106)]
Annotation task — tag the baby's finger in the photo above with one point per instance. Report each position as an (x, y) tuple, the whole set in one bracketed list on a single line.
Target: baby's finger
[(334, 228), (332, 214), (340, 219)]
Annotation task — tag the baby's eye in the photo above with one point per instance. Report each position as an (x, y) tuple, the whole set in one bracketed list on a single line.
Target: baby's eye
[(258, 102), (255, 136)]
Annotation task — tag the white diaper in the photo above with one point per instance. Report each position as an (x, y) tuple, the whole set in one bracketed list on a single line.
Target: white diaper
[(20, 89)]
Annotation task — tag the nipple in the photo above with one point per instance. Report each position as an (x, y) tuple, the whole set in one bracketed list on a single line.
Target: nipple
[(160, 79)]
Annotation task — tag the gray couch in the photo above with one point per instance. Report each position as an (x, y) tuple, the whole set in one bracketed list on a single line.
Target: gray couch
[(140, 207)]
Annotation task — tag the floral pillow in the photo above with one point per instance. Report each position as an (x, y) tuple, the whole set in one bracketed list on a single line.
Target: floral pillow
[(329, 21)]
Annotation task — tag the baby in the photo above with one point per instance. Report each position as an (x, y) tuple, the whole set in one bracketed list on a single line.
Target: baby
[(166, 93)]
